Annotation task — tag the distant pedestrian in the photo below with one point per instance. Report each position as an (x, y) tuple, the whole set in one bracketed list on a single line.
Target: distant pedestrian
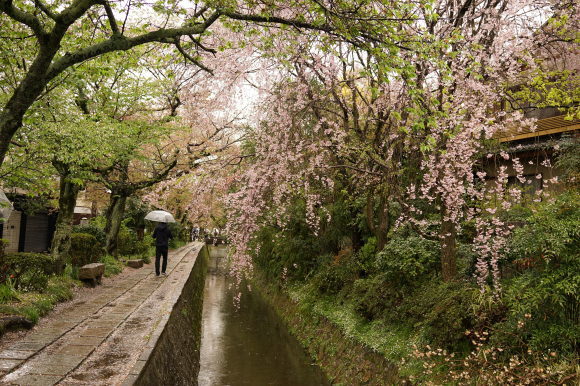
[(161, 234)]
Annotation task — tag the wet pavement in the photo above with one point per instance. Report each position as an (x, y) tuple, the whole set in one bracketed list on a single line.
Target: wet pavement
[(248, 345), (105, 340)]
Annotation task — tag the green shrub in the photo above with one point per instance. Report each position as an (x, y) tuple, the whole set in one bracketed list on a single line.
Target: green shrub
[(331, 279), (406, 259), (112, 265), (366, 256), (33, 305), (31, 313), (3, 244), (180, 235), (375, 295), (143, 247), (126, 242), (85, 249), (130, 245), (7, 293), (28, 271), (92, 229), (338, 273), (543, 301), (60, 288), (442, 310)]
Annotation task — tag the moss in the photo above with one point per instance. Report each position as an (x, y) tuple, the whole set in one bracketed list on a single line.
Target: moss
[(332, 336)]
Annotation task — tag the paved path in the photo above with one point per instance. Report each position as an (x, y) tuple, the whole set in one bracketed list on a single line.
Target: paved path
[(111, 330)]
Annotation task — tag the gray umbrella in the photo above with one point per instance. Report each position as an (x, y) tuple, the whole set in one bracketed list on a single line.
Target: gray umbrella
[(160, 216), (5, 206)]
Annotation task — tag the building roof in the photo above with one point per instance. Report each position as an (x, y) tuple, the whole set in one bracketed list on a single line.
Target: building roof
[(546, 126)]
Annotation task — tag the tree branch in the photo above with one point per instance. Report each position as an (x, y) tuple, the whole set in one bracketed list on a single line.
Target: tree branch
[(189, 57), (44, 8), (152, 181), (198, 43), (111, 16), (121, 43), (25, 18), (277, 20)]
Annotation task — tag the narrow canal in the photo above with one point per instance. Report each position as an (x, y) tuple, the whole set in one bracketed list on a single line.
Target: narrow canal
[(248, 345)]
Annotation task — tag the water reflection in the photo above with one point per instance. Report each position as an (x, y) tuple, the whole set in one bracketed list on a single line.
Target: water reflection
[(249, 345)]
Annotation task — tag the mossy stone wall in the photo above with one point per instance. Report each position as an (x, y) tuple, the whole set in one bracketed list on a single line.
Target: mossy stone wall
[(175, 358)]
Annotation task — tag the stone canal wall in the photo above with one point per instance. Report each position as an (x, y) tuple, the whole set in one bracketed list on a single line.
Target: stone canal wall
[(173, 359), (343, 360)]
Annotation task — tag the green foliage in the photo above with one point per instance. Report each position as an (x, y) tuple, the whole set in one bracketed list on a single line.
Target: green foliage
[(4, 274), (127, 242), (569, 162), (331, 278), (92, 229), (7, 293), (406, 259), (441, 310), (544, 309), (112, 265), (33, 305), (394, 341), (85, 249), (28, 271), (130, 245), (180, 235), (292, 253), (295, 253), (3, 244), (544, 301), (551, 235), (375, 295)]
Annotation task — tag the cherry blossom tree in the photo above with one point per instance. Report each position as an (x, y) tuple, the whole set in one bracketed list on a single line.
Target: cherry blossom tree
[(440, 96)]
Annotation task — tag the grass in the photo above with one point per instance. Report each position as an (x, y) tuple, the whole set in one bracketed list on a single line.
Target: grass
[(33, 305), (7, 293), (112, 265), (395, 342)]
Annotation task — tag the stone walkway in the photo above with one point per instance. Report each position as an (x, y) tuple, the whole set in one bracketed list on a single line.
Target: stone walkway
[(112, 327)]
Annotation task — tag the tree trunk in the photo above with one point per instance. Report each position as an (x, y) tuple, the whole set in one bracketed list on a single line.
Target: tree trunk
[(60, 248), (447, 238), (381, 229), (384, 223), (115, 214), (25, 95)]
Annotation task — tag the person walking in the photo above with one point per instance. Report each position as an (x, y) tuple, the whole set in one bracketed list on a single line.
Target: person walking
[(161, 234)]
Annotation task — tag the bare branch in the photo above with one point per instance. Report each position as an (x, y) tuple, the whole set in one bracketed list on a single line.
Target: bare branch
[(189, 57), (111, 16), (198, 43), (126, 16)]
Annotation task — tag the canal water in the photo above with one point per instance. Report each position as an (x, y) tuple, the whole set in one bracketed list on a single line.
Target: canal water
[(248, 345)]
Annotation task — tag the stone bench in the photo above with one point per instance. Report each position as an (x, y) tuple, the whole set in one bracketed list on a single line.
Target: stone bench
[(138, 263), (92, 273)]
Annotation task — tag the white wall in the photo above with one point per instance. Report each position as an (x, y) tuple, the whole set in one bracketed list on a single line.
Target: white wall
[(11, 231)]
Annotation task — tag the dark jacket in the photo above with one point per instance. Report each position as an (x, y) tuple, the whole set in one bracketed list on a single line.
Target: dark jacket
[(162, 234)]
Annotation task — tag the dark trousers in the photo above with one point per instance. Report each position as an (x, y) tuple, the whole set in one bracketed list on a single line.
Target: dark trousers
[(161, 251)]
